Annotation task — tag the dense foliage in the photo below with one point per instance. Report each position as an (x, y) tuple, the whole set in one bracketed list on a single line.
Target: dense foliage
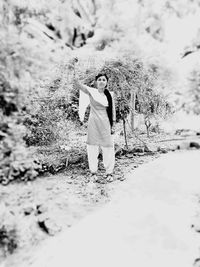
[(16, 162)]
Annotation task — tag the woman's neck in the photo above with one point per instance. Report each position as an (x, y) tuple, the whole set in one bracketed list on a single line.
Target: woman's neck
[(101, 90)]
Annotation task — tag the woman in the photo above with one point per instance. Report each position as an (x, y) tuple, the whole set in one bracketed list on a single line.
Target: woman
[(100, 125)]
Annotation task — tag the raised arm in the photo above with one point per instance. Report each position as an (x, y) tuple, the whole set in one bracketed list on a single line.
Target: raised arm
[(81, 86), (76, 82)]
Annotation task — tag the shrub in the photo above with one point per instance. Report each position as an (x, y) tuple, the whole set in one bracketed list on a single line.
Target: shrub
[(8, 240), (16, 160)]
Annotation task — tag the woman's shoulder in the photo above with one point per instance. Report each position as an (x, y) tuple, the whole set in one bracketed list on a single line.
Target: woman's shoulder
[(91, 89)]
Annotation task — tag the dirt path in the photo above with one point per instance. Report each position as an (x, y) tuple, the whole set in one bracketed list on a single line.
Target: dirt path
[(147, 223), (64, 199)]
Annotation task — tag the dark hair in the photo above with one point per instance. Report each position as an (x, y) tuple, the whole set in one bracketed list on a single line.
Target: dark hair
[(101, 74), (109, 109)]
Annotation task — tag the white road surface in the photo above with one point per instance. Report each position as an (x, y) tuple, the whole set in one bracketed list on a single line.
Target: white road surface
[(147, 223)]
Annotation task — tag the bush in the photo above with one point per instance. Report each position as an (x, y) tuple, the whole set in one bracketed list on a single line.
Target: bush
[(9, 234), (44, 126), (16, 160), (8, 240), (40, 129)]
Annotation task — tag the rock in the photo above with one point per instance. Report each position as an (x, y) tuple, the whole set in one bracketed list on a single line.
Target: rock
[(48, 226), (42, 225), (188, 145), (7, 216), (138, 150), (197, 262), (196, 224), (141, 154), (121, 133), (103, 192), (162, 150), (183, 145), (121, 151), (41, 209), (184, 132), (150, 148), (194, 145), (134, 166), (28, 210), (129, 155)]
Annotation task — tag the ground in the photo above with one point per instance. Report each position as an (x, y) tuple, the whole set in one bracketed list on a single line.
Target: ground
[(150, 221), (64, 199), (59, 202)]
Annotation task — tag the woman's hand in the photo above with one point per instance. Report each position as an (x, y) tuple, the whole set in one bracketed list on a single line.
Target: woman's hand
[(75, 60)]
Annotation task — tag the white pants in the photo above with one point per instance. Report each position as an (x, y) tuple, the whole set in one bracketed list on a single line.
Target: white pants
[(108, 158)]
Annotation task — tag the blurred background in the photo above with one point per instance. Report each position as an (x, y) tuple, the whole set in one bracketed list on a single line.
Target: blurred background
[(150, 51)]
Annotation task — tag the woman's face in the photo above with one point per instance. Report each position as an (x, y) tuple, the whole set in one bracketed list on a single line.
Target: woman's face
[(101, 82)]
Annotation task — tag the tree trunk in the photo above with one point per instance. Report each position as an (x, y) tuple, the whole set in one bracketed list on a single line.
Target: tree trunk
[(132, 110), (147, 124), (125, 137), (147, 131)]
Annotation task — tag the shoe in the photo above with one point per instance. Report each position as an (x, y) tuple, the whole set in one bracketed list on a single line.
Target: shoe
[(109, 177), (93, 176)]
